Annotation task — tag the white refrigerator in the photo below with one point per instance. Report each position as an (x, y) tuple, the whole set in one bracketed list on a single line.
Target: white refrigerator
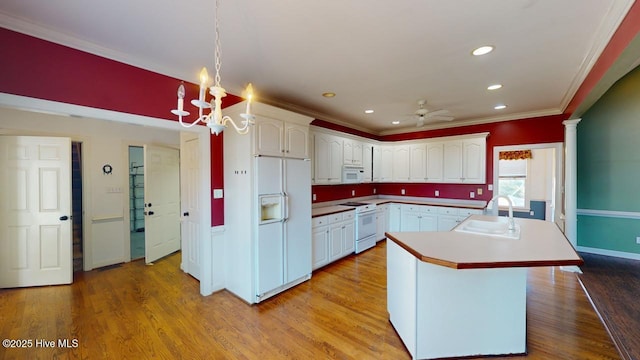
[(283, 241)]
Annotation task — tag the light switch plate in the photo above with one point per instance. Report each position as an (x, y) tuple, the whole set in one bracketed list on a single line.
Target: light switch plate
[(490, 187), (314, 197), (472, 195), (437, 192), (402, 191), (353, 193)]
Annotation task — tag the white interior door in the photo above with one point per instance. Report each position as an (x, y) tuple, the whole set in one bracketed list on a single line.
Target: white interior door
[(35, 211), (190, 202), (162, 201)]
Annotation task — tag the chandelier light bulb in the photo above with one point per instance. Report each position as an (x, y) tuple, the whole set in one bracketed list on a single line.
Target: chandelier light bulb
[(204, 77), (181, 97), (249, 92)]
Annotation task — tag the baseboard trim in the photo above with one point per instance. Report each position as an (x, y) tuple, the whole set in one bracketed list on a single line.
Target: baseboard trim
[(620, 254)]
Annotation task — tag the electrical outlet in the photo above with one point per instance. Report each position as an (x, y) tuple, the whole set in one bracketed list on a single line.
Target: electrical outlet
[(472, 195), (437, 192), (217, 193), (353, 193), (314, 197), (402, 192), (374, 190), (490, 187), (531, 213), (479, 191), (637, 239)]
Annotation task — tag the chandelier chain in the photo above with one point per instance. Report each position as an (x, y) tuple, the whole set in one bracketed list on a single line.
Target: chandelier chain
[(218, 61)]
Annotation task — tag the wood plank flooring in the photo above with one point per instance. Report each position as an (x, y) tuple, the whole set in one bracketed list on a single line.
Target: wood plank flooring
[(614, 287), (136, 311)]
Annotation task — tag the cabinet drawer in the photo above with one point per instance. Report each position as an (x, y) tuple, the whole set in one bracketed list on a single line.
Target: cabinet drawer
[(416, 208), (334, 218), (448, 211), (319, 221), (348, 215), (467, 212)]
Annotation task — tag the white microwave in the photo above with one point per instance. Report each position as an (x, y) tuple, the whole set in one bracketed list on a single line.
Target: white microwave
[(352, 174)]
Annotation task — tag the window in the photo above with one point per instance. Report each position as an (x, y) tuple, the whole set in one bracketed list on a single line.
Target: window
[(512, 181)]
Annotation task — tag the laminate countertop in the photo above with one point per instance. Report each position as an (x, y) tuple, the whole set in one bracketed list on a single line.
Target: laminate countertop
[(541, 243), (328, 210)]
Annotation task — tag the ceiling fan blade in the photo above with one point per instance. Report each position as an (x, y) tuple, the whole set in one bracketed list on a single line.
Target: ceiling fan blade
[(438, 112), (441, 118)]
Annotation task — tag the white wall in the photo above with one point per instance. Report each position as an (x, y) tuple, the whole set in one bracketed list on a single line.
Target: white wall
[(106, 197)]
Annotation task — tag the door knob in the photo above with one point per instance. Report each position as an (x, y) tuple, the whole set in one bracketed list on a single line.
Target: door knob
[(151, 213), (186, 214), (63, 218)]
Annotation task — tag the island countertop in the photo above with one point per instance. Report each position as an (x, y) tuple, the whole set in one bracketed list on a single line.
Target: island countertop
[(541, 243)]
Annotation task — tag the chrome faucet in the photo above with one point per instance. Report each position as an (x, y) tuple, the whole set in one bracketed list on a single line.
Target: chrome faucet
[(512, 224)]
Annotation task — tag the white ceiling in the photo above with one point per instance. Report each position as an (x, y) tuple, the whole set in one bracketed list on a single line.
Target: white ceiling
[(378, 55)]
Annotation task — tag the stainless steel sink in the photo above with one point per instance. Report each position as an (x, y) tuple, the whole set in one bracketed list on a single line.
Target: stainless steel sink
[(496, 227)]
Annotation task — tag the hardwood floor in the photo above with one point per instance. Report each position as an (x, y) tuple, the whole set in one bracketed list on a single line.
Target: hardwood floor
[(614, 287), (134, 311)]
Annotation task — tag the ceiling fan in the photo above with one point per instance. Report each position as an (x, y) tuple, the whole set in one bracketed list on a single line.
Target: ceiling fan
[(426, 115)]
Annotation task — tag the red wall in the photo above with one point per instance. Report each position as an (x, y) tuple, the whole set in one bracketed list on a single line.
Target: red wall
[(40, 69), (547, 129)]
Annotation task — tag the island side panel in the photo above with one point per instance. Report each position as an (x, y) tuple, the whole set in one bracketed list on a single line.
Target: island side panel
[(470, 312), (401, 294)]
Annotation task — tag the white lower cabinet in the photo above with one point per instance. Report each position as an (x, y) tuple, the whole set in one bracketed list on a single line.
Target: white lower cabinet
[(419, 218), (395, 217), (448, 218), (382, 221), (333, 237)]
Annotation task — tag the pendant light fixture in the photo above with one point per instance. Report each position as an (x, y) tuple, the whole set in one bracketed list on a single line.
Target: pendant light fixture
[(214, 120)]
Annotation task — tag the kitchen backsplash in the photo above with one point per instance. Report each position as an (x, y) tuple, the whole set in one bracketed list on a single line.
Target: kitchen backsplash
[(448, 191)]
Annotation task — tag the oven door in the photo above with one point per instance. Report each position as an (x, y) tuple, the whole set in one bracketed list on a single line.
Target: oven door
[(366, 224)]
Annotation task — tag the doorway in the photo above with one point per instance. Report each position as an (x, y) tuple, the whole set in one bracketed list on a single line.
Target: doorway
[(136, 202), (76, 202), (542, 177)]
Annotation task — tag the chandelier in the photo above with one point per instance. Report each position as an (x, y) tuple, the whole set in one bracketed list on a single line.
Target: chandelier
[(214, 120)]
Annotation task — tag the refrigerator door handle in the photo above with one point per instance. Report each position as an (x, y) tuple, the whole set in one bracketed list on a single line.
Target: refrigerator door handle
[(286, 207)]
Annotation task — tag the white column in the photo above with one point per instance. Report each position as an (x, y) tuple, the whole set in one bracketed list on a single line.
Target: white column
[(571, 184)]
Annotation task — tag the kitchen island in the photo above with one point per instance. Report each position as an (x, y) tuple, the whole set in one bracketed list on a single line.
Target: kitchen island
[(454, 294)]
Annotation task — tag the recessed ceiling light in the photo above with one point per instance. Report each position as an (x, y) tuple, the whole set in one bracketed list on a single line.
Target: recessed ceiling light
[(482, 50), (494, 87), (395, 122), (329, 94), (500, 107), (368, 111)]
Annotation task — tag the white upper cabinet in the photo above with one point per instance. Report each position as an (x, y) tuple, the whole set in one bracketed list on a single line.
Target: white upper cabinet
[(418, 163), (474, 154), (327, 159), (377, 163), (279, 132), (386, 163), (269, 138), (452, 158), (278, 138), (465, 161), (367, 162), (401, 158), (352, 152), (296, 141), (455, 159), (434, 162)]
